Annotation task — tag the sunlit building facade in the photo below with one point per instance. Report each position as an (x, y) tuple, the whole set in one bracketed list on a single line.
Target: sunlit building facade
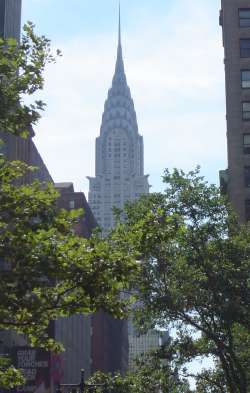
[(119, 172), (119, 177)]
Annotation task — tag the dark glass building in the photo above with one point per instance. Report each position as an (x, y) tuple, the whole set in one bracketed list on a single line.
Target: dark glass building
[(10, 18)]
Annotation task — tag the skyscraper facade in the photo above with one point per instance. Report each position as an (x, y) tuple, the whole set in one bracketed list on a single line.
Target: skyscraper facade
[(141, 344), (119, 177), (10, 18), (119, 172), (235, 22)]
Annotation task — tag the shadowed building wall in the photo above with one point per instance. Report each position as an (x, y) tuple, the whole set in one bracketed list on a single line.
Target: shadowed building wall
[(10, 18), (75, 331), (235, 22)]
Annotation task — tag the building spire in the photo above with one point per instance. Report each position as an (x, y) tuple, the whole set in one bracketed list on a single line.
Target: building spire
[(119, 68), (119, 27)]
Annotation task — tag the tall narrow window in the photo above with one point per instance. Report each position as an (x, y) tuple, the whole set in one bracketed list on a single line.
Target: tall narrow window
[(247, 209), (246, 143), (247, 176), (245, 47), (246, 110), (245, 79), (244, 17), (71, 204)]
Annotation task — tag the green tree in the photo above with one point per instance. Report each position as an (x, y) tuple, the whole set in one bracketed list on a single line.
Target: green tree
[(195, 263), (47, 271), (155, 372), (211, 381), (21, 75)]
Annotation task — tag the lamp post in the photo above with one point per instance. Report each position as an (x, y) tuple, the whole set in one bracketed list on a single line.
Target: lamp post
[(82, 387)]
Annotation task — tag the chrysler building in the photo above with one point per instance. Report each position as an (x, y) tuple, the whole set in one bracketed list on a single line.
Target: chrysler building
[(119, 171)]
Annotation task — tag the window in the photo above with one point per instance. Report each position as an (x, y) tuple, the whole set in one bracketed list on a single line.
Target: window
[(71, 204), (246, 110), (245, 47), (246, 143), (244, 17), (247, 209), (247, 176), (245, 79)]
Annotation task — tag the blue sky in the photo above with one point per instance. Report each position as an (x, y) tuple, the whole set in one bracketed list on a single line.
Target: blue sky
[(174, 64), (67, 18)]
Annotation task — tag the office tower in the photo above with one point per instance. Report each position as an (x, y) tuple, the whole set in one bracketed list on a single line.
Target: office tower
[(119, 177), (119, 172), (141, 344), (235, 22)]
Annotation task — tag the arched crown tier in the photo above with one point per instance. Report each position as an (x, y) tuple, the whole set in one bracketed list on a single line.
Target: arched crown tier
[(119, 107)]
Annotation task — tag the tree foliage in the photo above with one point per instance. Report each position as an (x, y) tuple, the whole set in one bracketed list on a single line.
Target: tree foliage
[(195, 264), (46, 269), (153, 373), (21, 75)]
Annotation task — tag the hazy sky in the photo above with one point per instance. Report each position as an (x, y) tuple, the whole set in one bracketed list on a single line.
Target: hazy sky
[(174, 64)]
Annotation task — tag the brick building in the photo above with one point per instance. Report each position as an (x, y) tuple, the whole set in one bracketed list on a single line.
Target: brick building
[(235, 22)]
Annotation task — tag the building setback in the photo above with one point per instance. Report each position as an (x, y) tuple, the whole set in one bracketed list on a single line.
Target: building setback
[(119, 177), (235, 22)]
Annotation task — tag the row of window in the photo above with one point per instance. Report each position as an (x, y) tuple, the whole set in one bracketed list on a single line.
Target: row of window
[(117, 155), (244, 21)]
